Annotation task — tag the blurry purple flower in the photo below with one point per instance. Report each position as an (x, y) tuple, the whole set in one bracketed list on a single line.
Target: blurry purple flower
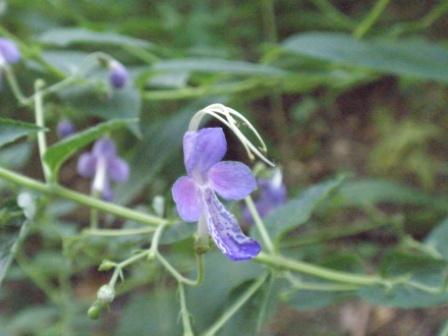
[(102, 164), (195, 194), (118, 75), (9, 52), (272, 195), (65, 128)]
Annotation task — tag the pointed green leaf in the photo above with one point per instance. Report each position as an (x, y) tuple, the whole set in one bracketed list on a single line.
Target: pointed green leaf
[(12, 231), (216, 65), (11, 130), (67, 36), (298, 210), (415, 58)]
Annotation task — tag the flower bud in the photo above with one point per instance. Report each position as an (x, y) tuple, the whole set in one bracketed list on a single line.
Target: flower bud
[(118, 75), (106, 294), (106, 265), (65, 128), (9, 51), (94, 312)]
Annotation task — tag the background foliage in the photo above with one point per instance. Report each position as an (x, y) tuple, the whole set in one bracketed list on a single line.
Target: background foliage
[(351, 99)]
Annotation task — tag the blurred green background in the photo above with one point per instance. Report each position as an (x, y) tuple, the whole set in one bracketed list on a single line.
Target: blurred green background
[(334, 87)]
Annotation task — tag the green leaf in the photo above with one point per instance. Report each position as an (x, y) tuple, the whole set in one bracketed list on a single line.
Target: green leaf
[(437, 240), (11, 130), (116, 104), (373, 191), (216, 65), (223, 276), (154, 314), (297, 211), (61, 151), (417, 269), (11, 222), (405, 57), (63, 37), (15, 155)]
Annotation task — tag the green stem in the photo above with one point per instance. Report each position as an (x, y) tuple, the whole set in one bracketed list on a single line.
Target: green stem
[(212, 330), (51, 89), (371, 18), (259, 224), (333, 13), (14, 85), (14, 249), (324, 287), (93, 219), (268, 15), (56, 190), (40, 121), (117, 232), (94, 212), (281, 262), (179, 277), (184, 312), (119, 267)]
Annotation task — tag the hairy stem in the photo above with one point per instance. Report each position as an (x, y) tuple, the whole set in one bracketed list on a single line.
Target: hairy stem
[(371, 18), (56, 190), (188, 331), (259, 224), (212, 330), (40, 121), (285, 263)]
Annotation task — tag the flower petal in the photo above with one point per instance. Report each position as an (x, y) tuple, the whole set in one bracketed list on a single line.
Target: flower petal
[(86, 166), (203, 148), (187, 198), (9, 50), (226, 232), (104, 147), (118, 169), (232, 180)]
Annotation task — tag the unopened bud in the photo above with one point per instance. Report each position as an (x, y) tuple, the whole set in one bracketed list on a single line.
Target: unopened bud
[(106, 294), (118, 75), (94, 312), (106, 265)]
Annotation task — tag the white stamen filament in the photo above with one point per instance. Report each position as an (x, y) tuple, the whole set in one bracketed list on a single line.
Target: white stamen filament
[(277, 178), (99, 182), (227, 116)]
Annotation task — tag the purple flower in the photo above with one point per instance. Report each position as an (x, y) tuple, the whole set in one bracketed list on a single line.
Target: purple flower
[(9, 52), (118, 75), (65, 128), (102, 164), (272, 195), (195, 194)]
